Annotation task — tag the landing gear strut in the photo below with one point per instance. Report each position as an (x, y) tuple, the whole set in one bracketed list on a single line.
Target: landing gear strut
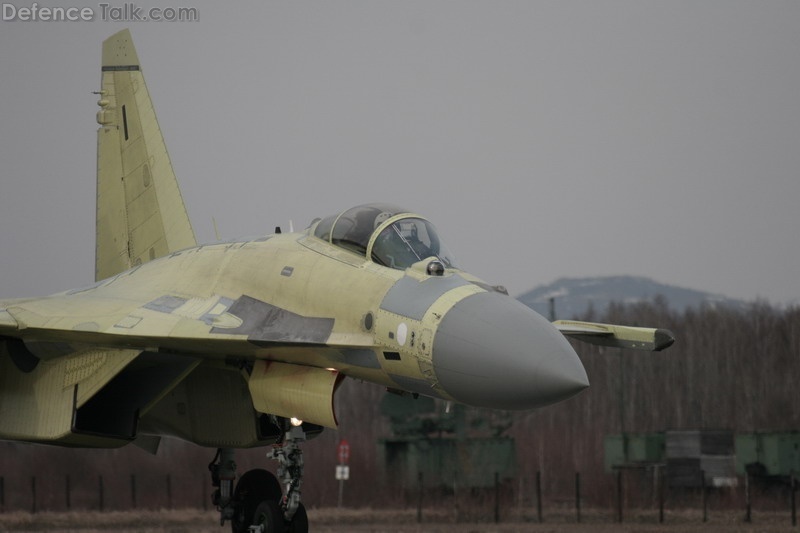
[(223, 472), (258, 504), (290, 471)]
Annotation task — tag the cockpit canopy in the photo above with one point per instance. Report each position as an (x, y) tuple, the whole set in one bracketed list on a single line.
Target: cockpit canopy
[(387, 234)]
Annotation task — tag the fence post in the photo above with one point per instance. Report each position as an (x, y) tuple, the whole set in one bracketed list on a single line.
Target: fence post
[(419, 497), (662, 484), (496, 498), (539, 496), (203, 497), (747, 516), (578, 496), (794, 500), (456, 508), (33, 494), (169, 492), (705, 495), (133, 490)]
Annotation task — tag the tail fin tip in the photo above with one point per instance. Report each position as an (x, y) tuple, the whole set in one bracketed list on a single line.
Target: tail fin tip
[(119, 52)]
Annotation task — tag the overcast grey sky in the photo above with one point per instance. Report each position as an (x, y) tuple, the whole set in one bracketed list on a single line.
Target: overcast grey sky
[(543, 138)]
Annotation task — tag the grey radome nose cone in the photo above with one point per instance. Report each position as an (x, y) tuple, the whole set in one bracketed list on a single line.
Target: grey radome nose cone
[(492, 351)]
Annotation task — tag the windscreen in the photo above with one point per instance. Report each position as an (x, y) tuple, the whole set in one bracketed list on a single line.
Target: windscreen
[(407, 241)]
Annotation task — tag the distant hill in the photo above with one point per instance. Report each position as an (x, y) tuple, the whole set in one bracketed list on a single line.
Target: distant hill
[(574, 295)]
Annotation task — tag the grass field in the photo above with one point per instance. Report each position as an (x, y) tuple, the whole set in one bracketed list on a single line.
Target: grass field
[(398, 521)]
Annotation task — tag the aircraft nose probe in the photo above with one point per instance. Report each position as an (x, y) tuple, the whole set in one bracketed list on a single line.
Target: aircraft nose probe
[(492, 351)]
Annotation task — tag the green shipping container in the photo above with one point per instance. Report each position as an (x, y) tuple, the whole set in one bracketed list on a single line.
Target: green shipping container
[(632, 448), (768, 454)]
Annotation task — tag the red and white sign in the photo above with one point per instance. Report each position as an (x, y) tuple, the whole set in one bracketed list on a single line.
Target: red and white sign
[(344, 452)]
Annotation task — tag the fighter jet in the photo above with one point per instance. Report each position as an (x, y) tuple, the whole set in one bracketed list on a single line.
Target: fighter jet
[(243, 343)]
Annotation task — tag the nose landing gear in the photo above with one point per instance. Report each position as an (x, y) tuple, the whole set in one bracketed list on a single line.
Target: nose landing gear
[(258, 504)]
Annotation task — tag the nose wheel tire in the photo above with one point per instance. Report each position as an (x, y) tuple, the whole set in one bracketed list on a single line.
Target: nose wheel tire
[(268, 518), (299, 523), (254, 488)]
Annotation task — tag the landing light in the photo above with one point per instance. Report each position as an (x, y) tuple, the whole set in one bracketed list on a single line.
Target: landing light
[(296, 422)]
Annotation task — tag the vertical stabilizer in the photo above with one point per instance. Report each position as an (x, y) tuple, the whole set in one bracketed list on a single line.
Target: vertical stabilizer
[(140, 211)]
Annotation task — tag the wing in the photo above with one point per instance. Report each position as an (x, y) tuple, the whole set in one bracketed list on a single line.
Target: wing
[(131, 352), (213, 327), (617, 336), (140, 212)]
